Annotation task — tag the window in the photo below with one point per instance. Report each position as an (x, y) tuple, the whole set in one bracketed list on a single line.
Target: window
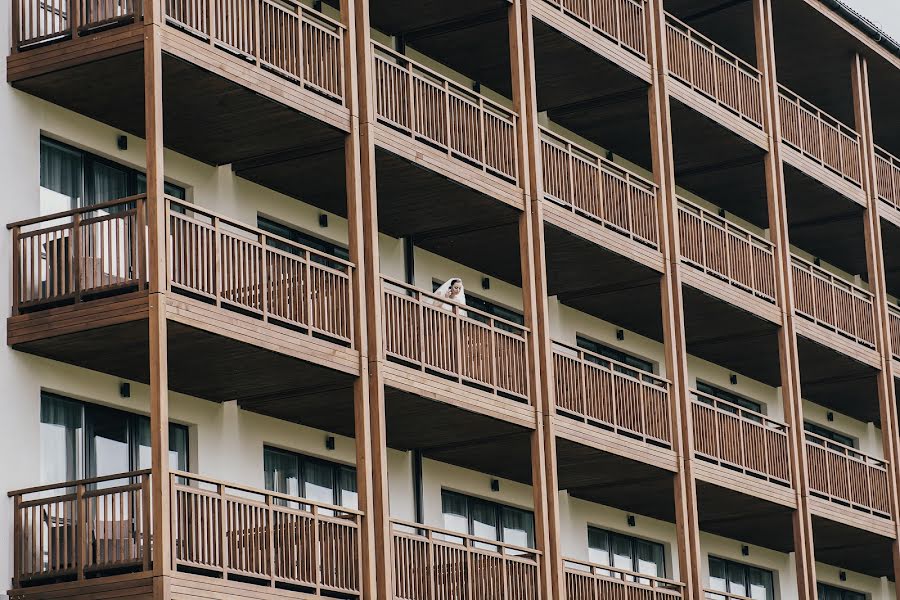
[(80, 440), (299, 237), (740, 580), (486, 519), (828, 434), (625, 552), (72, 178), (639, 364), (486, 306), (715, 392), (829, 592), (310, 478)]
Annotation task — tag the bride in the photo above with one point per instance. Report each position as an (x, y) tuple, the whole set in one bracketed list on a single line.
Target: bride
[(452, 290)]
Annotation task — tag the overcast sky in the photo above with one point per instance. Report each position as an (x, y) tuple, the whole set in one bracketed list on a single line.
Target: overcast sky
[(884, 13)]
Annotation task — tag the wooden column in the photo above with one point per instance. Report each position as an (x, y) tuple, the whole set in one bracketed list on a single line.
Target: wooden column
[(789, 362), (686, 512), (368, 470), (876, 271), (157, 280), (534, 289), (369, 388)]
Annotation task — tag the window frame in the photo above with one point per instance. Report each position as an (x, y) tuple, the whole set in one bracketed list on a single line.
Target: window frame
[(498, 508), (619, 355), (846, 594), (829, 434), (746, 576), (632, 539), (304, 459)]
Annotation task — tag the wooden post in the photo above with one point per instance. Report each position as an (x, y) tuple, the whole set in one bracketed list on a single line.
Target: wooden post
[(157, 278), (534, 289), (368, 389), (686, 512), (804, 553), (876, 270)]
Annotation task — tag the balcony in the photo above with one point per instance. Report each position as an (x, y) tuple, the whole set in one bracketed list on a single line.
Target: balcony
[(457, 132), (894, 323), (588, 581), (223, 535), (601, 201), (253, 304), (887, 182), (741, 441), (714, 81), (848, 479), (728, 254), (820, 145), (436, 563), (841, 311)]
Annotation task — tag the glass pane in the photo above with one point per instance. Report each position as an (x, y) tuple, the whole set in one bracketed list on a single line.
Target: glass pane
[(484, 519), (649, 558), (737, 577), (169, 189), (178, 445), (598, 547), (622, 552), (105, 182), (518, 527), (318, 482), (107, 442), (61, 169), (717, 575), (760, 583), (61, 440), (456, 514), (282, 472), (349, 495)]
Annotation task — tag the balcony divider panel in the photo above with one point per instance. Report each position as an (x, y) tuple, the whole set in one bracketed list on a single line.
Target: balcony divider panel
[(437, 564), (598, 189), (621, 21), (844, 475), (734, 436), (713, 71), (833, 303), (593, 389), (726, 251), (589, 581), (819, 136), (425, 105), (887, 177)]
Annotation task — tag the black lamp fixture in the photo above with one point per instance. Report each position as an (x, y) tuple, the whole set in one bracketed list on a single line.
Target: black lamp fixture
[(745, 550), (485, 283), (329, 442), (323, 220), (125, 389), (122, 142), (620, 334), (495, 485), (631, 521)]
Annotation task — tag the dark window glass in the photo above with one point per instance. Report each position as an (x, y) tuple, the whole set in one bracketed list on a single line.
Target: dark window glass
[(727, 396), (83, 179), (740, 580), (87, 440), (304, 239), (829, 434), (486, 519), (627, 553), (830, 592), (310, 478), (639, 364)]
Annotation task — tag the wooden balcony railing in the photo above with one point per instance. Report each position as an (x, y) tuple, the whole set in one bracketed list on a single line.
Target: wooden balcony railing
[(726, 251), (40, 22), (894, 322), (819, 136), (79, 254), (833, 303), (429, 107), (588, 581), (612, 395), (436, 564), (711, 594), (731, 435), (887, 177), (713, 71), (248, 270), (81, 528), (282, 36), (264, 537), (598, 189), (846, 476), (454, 341), (622, 21)]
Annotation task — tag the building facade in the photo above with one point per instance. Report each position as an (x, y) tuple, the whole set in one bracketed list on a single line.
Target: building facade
[(228, 373)]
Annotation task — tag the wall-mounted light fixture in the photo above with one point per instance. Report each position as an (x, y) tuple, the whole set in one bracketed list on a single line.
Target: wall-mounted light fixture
[(329, 442)]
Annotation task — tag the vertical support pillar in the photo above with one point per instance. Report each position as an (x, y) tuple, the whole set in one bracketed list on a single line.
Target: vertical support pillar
[(876, 271), (157, 280), (686, 511), (534, 289), (789, 361), (371, 436)]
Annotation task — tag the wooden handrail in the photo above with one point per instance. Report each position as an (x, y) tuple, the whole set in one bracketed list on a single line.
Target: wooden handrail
[(468, 540), (621, 21), (845, 450), (738, 411), (76, 482), (720, 247), (887, 177), (623, 576), (708, 68), (81, 210), (820, 136), (712, 594), (833, 302), (598, 189), (428, 106), (36, 23), (600, 390)]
